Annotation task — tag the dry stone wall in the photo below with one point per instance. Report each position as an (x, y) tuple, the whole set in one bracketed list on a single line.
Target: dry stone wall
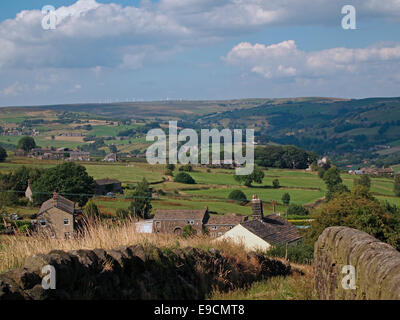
[(135, 272), (377, 266)]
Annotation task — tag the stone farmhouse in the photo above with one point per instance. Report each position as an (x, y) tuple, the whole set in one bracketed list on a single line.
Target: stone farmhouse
[(56, 218), (263, 232), (173, 221)]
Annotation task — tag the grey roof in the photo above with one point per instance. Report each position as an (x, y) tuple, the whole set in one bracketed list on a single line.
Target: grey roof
[(180, 214), (58, 202), (273, 229)]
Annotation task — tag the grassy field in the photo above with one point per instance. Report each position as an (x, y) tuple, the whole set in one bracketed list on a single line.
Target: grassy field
[(212, 188)]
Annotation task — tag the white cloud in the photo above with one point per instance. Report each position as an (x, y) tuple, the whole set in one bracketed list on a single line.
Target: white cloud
[(285, 60), (91, 34)]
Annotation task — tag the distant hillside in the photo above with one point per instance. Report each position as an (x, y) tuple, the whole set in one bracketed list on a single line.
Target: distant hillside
[(349, 131)]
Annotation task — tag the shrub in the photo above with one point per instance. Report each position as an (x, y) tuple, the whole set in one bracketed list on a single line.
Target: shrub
[(301, 253), (186, 168), (286, 198), (188, 231), (169, 172), (275, 183), (170, 167), (184, 177), (237, 195), (122, 213), (295, 209)]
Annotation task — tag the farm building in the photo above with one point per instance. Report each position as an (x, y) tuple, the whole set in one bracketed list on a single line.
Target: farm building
[(173, 221), (263, 232), (104, 186)]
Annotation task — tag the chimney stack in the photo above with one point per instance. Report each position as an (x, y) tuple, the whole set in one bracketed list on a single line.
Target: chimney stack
[(257, 207)]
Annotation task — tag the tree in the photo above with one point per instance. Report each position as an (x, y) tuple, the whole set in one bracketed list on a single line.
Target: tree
[(275, 184), (113, 148), (364, 180), (26, 144), (90, 210), (184, 177), (352, 210), (70, 179), (296, 209), (334, 183), (396, 187), (237, 195), (256, 176), (286, 198), (3, 154), (140, 205)]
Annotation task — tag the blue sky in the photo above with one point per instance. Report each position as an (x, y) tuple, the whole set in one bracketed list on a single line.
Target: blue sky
[(126, 50)]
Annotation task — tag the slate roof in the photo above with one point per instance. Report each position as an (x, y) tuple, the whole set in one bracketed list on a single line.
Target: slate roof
[(106, 181), (58, 202), (180, 214), (229, 219), (273, 229)]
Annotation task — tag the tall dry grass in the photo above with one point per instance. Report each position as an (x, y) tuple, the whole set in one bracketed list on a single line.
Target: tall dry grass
[(15, 249)]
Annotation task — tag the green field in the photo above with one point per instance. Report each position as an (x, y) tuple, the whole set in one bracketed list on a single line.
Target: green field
[(211, 188)]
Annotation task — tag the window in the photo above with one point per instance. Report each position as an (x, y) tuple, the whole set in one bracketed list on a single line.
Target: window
[(43, 222), (219, 234), (67, 235), (191, 222), (230, 227), (213, 227), (66, 222), (158, 226)]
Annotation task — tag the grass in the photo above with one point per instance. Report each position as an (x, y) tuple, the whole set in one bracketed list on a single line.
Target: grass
[(298, 286), (15, 249)]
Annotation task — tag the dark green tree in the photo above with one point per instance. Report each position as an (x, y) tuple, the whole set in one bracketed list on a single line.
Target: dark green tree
[(3, 154), (256, 176), (140, 205), (68, 179), (364, 180), (275, 184), (237, 195), (184, 177), (286, 198), (188, 231), (113, 148), (170, 166), (26, 144), (334, 183)]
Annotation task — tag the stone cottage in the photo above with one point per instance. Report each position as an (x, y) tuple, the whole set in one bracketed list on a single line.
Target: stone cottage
[(56, 218), (263, 232), (173, 221)]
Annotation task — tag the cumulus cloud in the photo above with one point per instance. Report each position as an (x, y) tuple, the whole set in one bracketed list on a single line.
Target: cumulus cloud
[(286, 60), (90, 34)]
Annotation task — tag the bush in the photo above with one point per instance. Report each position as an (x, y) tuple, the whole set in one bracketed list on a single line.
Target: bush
[(122, 213), (286, 198), (170, 166), (275, 184), (301, 253), (295, 209), (184, 177), (169, 172), (188, 231), (186, 168), (237, 195)]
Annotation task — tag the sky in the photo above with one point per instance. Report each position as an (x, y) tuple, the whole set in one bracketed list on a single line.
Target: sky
[(128, 50)]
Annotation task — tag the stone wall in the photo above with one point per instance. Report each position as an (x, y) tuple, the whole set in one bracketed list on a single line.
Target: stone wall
[(377, 265), (136, 272)]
